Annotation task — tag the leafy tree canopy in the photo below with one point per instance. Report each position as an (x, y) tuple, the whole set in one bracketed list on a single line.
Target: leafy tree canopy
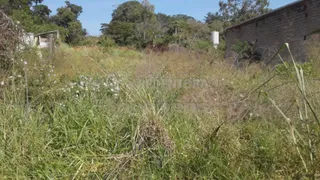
[(42, 11), (10, 5), (67, 17), (183, 17), (241, 10), (131, 11), (211, 17), (133, 23)]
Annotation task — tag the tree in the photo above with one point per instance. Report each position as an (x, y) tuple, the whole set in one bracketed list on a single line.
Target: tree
[(131, 11), (183, 17), (75, 9), (186, 30), (163, 22), (215, 22), (31, 23), (10, 5), (211, 17), (149, 19), (132, 23), (241, 10), (163, 19), (25, 20), (67, 17), (104, 27), (75, 32), (123, 33), (37, 1), (41, 10)]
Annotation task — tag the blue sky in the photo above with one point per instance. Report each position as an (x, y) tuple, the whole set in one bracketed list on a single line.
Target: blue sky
[(96, 12)]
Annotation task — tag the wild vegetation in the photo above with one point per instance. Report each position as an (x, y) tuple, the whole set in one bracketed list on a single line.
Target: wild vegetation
[(91, 113), (107, 112), (136, 24), (133, 23)]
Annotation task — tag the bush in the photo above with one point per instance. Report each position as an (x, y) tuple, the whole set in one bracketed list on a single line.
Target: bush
[(283, 71), (202, 45), (89, 41), (246, 51), (106, 42)]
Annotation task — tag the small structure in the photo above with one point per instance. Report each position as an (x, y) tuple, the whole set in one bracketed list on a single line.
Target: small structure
[(296, 24), (47, 40), (14, 39)]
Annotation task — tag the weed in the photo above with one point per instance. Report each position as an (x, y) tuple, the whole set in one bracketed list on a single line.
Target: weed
[(92, 115)]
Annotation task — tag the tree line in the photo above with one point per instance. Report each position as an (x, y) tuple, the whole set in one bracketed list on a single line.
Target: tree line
[(134, 23)]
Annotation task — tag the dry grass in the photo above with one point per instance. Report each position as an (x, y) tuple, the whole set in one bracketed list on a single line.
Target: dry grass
[(176, 116)]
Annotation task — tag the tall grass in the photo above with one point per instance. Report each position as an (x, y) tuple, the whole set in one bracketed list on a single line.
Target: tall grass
[(96, 114)]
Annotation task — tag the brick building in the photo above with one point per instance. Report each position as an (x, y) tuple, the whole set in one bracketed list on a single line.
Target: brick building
[(297, 23)]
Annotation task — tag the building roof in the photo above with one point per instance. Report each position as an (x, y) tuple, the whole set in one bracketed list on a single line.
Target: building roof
[(265, 15), (49, 32)]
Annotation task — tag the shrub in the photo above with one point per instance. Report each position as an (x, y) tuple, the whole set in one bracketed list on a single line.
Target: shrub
[(246, 51), (89, 41), (106, 42)]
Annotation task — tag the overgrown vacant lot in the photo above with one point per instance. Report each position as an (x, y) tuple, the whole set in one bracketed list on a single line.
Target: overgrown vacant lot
[(91, 113)]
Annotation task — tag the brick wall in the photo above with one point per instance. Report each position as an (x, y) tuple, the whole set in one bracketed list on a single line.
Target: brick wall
[(294, 24)]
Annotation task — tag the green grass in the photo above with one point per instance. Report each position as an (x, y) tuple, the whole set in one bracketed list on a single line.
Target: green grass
[(84, 128)]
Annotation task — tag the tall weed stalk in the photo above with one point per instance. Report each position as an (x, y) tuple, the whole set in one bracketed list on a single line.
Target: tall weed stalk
[(303, 142)]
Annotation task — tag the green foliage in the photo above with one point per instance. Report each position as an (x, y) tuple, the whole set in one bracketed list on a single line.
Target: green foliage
[(115, 127), (37, 19), (67, 17), (163, 20), (75, 32), (235, 11), (131, 11), (104, 28), (164, 40), (132, 24), (241, 46), (241, 10), (25, 19), (218, 25), (183, 17), (42, 11), (106, 41), (136, 24), (184, 30), (203, 45), (286, 69), (246, 51), (33, 24), (89, 41), (122, 33), (10, 5), (211, 17), (222, 46), (75, 9)]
